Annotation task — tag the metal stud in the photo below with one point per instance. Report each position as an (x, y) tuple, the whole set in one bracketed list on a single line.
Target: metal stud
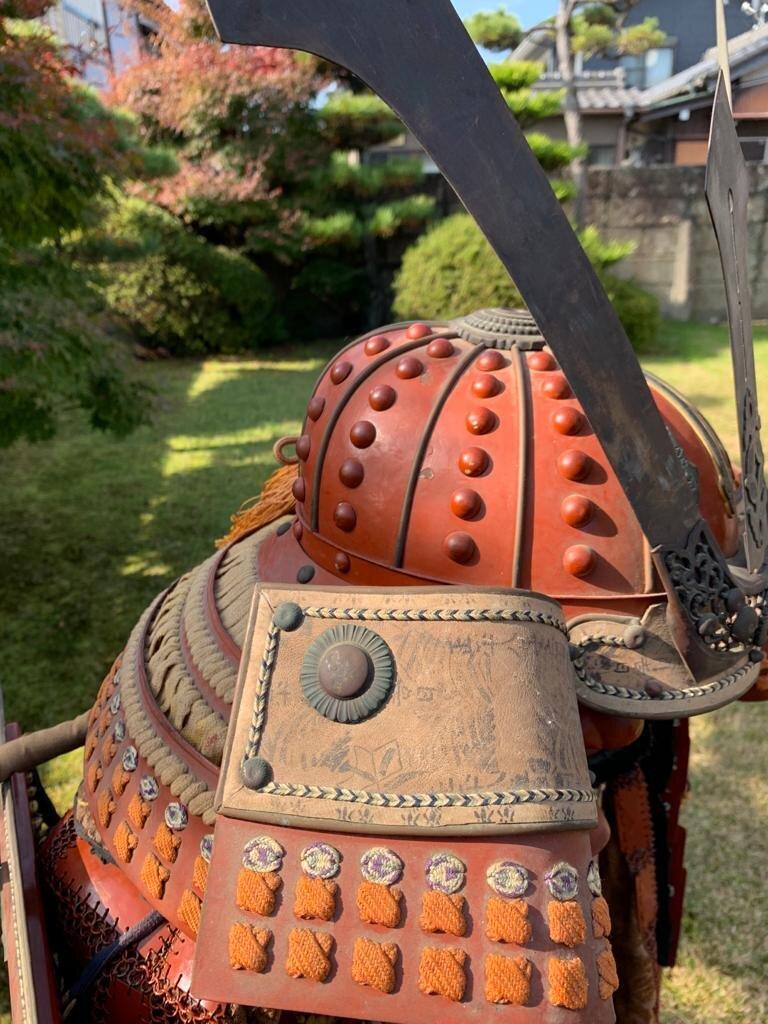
[(409, 367), (481, 421), (474, 461), (541, 361), (299, 488), (576, 510), (382, 397), (417, 331), (315, 407), (460, 547), (564, 421), (340, 372), (573, 464), (465, 503), (351, 472), (486, 386), (362, 434), (303, 445), (440, 348), (305, 574), (491, 360), (345, 516), (556, 387), (375, 345), (579, 560)]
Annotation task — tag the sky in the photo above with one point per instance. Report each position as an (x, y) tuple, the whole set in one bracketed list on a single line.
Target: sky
[(529, 12)]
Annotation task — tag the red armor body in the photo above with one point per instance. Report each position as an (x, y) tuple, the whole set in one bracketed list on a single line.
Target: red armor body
[(450, 453)]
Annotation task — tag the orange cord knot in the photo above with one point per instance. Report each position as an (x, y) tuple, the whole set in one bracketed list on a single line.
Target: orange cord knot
[(248, 947), (154, 876), (257, 891), (507, 979), (315, 898), (105, 808), (190, 909), (125, 842), (309, 954), (442, 913), (379, 904), (138, 811), (608, 976), (441, 972), (166, 843), (200, 874), (373, 964), (567, 926), (507, 921), (568, 984), (601, 918)]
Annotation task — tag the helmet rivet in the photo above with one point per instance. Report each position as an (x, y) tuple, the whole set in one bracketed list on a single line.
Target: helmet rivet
[(573, 464), (298, 530), (362, 434), (351, 473), (288, 616), (256, 772), (303, 444), (579, 560), (474, 461), (340, 372), (556, 387), (577, 510), (480, 421), (409, 367), (491, 360), (343, 670), (541, 361), (378, 343), (315, 407), (345, 516), (486, 386), (382, 397), (305, 573), (440, 348), (465, 503), (341, 561), (460, 547), (416, 331), (299, 488), (568, 420)]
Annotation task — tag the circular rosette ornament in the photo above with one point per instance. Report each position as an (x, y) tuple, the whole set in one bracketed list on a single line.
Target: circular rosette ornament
[(381, 865), (320, 860), (263, 854), (563, 881), (347, 673), (445, 873), (507, 878)]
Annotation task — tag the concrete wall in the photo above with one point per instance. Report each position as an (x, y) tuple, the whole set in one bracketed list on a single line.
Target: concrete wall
[(663, 210)]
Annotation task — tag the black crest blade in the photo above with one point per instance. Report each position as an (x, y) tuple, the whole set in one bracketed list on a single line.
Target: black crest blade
[(417, 56), (727, 191)]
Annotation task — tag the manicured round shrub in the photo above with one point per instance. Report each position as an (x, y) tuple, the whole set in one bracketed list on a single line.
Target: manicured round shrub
[(452, 270), (176, 290)]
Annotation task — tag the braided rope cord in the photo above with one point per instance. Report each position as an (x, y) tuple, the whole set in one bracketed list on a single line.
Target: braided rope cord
[(401, 800), (609, 690)]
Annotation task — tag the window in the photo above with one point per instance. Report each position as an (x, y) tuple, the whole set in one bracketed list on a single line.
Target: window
[(646, 69)]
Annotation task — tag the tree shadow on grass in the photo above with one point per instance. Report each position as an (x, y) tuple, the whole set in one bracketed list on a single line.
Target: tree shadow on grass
[(91, 528)]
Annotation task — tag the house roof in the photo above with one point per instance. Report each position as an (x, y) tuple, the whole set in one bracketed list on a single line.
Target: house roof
[(605, 91), (598, 92)]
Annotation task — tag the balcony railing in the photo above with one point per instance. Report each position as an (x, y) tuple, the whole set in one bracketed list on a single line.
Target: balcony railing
[(84, 38)]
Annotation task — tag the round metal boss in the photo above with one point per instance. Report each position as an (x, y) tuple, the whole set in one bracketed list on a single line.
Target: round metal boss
[(347, 673)]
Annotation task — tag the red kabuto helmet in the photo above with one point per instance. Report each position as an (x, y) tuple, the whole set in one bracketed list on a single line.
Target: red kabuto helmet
[(447, 456)]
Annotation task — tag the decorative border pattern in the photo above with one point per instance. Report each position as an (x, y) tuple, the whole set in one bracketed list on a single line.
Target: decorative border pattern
[(687, 693), (436, 615), (401, 800)]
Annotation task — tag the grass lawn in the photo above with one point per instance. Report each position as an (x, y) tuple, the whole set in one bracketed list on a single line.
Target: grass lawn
[(91, 528)]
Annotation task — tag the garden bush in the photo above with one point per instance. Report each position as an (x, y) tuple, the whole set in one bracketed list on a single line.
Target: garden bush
[(176, 290), (452, 269), (57, 353)]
